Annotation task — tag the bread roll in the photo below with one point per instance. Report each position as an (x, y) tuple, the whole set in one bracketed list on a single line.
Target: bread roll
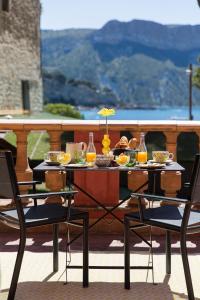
[(123, 143), (124, 140), (132, 143)]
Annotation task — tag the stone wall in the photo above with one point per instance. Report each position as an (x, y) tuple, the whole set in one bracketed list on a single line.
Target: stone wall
[(20, 55)]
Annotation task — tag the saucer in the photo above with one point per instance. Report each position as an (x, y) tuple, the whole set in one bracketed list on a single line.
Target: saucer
[(167, 162), (151, 166), (52, 163), (75, 166)]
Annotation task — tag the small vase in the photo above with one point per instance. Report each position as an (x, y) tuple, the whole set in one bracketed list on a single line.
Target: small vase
[(106, 144)]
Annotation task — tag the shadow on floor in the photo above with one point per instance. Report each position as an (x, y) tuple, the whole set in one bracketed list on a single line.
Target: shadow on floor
[(43, 243), (97, 291)]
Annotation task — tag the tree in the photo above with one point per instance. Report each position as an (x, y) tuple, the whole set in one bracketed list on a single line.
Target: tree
[(196, 78), (62, 109)]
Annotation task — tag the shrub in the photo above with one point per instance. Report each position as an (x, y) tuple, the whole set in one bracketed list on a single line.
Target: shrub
[(61, 109)]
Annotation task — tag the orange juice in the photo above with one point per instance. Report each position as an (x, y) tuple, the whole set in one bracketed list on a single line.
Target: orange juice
[(90, 157), (142, 157)]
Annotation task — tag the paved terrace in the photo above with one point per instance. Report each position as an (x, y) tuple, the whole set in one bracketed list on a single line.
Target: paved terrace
[(38, 282)]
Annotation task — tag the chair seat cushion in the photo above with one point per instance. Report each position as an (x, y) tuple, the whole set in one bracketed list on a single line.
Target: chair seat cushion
[(166, 216), (43, 214)]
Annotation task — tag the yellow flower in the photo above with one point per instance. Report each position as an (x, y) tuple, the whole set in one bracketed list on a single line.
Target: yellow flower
[(106, 112)]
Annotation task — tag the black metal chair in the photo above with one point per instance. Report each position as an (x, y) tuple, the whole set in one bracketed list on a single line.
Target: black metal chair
[(183, 220), (24, 218)]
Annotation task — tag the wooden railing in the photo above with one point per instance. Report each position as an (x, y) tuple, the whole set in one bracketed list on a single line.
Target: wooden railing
[(171, 132), (170, 129)]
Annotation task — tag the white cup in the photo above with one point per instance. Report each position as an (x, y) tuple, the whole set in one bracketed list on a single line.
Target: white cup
[(162, 156)]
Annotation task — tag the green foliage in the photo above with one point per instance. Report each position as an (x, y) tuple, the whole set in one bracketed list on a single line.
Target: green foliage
[(38, 144), (11, 138), (66, 110), (196, 78)]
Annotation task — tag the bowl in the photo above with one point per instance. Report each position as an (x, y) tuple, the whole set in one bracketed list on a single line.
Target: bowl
[(118, 151), (103, 161), (122, 160)]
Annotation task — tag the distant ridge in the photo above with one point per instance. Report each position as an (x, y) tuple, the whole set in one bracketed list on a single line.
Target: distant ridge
[(125, 64), (181, 37)]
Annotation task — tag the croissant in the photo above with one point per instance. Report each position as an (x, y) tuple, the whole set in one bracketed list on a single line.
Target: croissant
[(117, 145), (123, 143), (132, 143), (124, 140)]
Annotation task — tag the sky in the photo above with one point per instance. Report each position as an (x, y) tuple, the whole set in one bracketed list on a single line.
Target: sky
[(62, 14)]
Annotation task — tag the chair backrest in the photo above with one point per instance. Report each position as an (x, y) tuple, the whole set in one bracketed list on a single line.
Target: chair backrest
[(8, 182), (194, 193), (8, 185), (195, 181)]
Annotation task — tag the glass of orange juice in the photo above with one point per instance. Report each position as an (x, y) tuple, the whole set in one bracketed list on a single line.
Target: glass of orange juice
[(91, 158), (142, 157)]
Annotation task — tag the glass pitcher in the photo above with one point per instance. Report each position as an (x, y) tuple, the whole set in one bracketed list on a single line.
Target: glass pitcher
[(77, 151)]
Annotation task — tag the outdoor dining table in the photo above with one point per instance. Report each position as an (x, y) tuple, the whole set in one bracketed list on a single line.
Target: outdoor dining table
[(153, 173)]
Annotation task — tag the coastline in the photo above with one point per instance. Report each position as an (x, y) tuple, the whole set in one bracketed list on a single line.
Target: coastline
[(162, 113)]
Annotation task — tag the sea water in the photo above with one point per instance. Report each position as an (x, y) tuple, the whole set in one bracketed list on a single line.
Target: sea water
[(146, 114)]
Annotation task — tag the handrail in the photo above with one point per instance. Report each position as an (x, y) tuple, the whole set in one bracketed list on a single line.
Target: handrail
[(22, 127)]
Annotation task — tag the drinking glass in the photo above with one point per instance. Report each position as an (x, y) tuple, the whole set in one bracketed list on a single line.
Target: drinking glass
[(64, 158), (81, 156), (142, 157), (91, 158)]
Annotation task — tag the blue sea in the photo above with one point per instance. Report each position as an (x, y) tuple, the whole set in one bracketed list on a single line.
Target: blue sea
[(146, 114)]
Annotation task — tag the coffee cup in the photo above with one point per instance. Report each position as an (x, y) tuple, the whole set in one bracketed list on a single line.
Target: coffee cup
[(162, 156), (52, 156)]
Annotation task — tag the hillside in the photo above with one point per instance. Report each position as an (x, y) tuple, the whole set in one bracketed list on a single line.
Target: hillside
[(127, 64)]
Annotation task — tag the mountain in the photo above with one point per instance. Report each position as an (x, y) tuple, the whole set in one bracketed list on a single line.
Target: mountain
[(151, 34), (124, 64)]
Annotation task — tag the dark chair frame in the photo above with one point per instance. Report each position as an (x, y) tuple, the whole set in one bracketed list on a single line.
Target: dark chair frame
[(189, 224), (23, 218), (32, 183)]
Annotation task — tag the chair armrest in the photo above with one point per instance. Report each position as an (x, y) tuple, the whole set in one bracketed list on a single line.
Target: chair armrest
[(187, 184), (29, 182), (33, 183), (45, 195), (160, 198)]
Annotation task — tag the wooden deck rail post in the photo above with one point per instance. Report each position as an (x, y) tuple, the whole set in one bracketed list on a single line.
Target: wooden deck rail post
[(171, 181), (55, 141), (171, 142), (55, 180), (23, 171)]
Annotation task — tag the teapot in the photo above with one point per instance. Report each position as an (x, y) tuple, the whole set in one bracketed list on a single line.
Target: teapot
[(77, 151)]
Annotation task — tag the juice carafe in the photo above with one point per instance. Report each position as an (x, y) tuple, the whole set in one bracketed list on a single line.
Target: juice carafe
[(142, 150), (91, 151)]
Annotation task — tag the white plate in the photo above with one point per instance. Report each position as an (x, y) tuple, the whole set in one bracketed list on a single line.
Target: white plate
[(151, 166), (168, 161), (75, 166)]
